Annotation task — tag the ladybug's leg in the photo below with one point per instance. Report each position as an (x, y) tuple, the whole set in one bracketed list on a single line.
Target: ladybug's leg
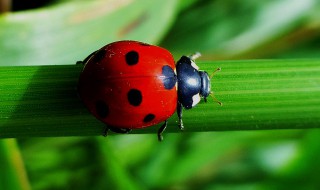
[(161, 129), (179, 112), (116, 130), (86, 59)]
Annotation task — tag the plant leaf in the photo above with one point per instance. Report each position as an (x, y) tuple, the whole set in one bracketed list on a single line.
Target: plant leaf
[(258, 94), (67, 32)]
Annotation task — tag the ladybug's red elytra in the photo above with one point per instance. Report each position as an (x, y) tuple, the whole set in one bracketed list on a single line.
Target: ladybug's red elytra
[(130, 85)]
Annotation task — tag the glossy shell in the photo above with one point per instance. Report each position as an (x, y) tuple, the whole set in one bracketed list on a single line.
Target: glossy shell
[(129, 84)]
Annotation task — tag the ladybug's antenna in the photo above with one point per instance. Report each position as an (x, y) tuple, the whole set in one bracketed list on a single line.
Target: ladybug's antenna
[(215, 99), (211, 93), (214, 72)]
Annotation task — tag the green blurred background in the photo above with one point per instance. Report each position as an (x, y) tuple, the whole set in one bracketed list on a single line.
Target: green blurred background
[(65, 31)]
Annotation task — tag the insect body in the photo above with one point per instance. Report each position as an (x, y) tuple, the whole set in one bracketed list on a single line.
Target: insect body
[(130, 85)]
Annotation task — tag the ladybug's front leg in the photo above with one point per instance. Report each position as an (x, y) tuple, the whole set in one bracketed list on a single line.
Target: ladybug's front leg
[(179, 112)]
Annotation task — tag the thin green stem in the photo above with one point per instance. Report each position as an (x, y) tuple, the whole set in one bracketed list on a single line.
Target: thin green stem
[(256, 94), (13, 174)]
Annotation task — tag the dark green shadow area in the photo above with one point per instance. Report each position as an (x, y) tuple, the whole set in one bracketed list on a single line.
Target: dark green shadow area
[(43, 101)]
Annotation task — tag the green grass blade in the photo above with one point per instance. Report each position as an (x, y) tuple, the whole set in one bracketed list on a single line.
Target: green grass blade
[(264, 95), (257, 94), (13, 174)]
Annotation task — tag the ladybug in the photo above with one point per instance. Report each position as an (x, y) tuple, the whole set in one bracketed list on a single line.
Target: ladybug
[(131, 85)]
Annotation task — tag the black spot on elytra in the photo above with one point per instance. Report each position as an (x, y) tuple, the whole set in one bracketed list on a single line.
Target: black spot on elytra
[(134, 97), (169, 78), (132, 58), (149, 118), (99, 55), (102, 109)]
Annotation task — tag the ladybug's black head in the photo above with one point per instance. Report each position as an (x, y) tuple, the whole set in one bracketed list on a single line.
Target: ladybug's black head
[(205, 85), (192, 83)]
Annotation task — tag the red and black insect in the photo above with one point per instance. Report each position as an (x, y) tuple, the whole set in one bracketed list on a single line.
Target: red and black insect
[(130, 85)]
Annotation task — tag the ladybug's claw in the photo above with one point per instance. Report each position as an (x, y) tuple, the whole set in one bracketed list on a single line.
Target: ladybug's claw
[(160, 137), (161, 129), (181, 125), (105, 132)]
